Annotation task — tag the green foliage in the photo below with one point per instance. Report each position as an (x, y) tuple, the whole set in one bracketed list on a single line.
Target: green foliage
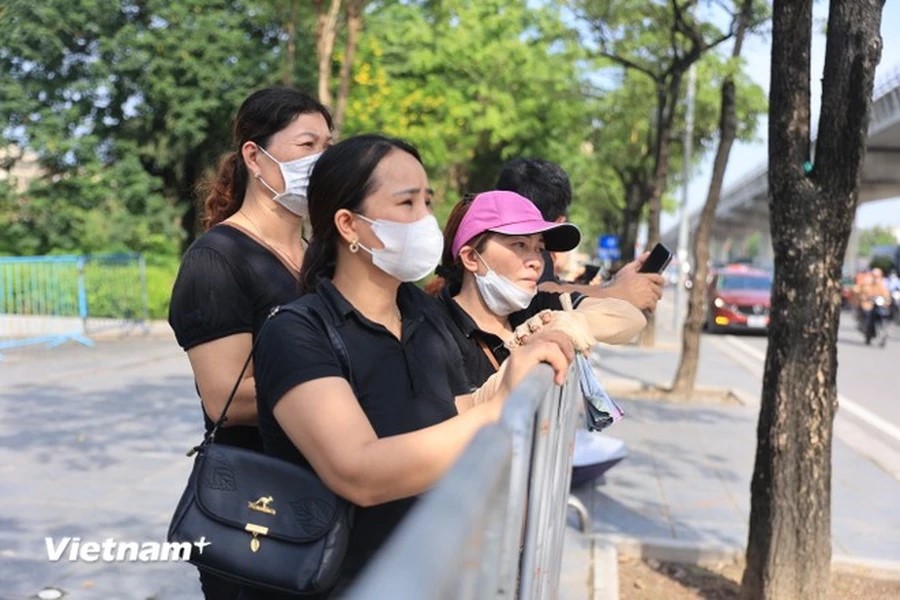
[(753, 243), (629, 110), (875, 236), (40, 289), (597, 196), (111, 284), (128, 103), (90, 208), (113, 287), (471, 84), (638, 53), (161, 272), (124, 97)]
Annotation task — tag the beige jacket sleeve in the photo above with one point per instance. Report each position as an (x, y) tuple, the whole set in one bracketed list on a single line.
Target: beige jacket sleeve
[(610, 320)]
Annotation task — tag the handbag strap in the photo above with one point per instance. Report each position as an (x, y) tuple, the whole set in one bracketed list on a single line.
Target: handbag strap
[(333, 336), (488, 353)]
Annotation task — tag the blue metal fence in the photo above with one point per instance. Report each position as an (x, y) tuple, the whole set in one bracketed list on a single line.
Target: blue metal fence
[(54, 299)]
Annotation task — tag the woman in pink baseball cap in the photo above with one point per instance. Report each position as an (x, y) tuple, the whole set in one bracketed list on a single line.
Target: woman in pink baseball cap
[(492, 260)]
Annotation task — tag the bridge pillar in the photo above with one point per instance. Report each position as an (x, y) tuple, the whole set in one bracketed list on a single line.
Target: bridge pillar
[(766, 256), (851, 257)]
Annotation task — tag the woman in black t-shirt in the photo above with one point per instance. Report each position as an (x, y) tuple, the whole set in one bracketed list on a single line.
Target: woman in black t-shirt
[(387, 430), (248, 261), (493, 257)]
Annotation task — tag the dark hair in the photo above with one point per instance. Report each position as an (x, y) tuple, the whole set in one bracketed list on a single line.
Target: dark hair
[(543, 182), (342, 178), (450, 271), (264, 113)]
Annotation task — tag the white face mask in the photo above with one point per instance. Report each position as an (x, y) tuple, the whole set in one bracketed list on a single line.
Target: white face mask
[(296, 180), (502, 296), (411, 250)]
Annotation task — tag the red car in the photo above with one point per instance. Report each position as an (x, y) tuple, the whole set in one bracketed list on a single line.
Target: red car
[(739, 298)]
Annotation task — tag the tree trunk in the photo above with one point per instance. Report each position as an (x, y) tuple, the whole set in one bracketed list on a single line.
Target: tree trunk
[(811, 215), (290, 53), (354, 26), (631, 215), (326, 31), (667, 94), (458, 178), (686, 375)]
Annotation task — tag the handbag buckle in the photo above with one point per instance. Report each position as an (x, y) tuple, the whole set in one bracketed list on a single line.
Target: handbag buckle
[(261, 504), (255, 530)]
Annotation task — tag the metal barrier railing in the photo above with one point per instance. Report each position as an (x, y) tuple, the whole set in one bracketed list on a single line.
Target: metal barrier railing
[(116, 289), (494, 525), (54, 299)]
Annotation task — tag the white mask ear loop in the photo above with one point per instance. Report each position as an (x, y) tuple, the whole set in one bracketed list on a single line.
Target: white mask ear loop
[(295, 174), (483, 262), (259, 175), (370, 222), (259, 178)]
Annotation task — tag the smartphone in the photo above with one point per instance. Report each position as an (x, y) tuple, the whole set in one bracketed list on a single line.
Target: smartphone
[(659, 259), (590, 271)]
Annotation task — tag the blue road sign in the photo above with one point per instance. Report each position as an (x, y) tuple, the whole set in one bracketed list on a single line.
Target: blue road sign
[(608, 247)]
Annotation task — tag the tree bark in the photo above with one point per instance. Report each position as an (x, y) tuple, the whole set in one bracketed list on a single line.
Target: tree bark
[(354, 26), (326, 32), (631, 214), (290, 53), (652, 197), (668, 93), (686, 375), (811, 215)]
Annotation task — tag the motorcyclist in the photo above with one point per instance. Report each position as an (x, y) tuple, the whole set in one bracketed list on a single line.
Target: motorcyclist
[(871, 286), (893, 285)]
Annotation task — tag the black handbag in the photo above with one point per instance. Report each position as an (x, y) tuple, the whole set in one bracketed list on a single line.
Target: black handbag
[(259, 520)]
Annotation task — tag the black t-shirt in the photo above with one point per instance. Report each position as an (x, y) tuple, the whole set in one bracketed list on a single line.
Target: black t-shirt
[(472, 341), (401, 385), (227, 284)]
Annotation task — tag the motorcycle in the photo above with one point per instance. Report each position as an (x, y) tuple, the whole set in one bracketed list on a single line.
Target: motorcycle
[(895, 305), (873, 322)]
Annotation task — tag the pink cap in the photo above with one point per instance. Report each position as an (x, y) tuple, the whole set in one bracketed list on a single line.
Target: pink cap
[(512, 214)]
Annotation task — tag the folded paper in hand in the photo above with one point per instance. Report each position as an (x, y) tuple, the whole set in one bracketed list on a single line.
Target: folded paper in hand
[(600, 411)]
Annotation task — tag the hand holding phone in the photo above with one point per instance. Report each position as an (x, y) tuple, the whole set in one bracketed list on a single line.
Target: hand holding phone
[(659, 259)]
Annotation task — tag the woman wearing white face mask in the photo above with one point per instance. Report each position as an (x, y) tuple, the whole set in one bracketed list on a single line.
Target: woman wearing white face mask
[(492, 261), (248, 260), (385, 432)]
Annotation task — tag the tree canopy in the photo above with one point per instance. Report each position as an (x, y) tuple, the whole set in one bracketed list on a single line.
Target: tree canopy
[(127, 104), (130, 98), (875, 236)]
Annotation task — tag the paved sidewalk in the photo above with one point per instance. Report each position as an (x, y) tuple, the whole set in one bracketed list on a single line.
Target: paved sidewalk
[(683, 493), (77, 461)]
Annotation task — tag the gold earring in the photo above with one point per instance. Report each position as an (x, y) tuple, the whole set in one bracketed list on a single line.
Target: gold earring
[(354, 246)]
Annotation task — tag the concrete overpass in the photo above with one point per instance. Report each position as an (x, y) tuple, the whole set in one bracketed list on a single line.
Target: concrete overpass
[(744, 210)]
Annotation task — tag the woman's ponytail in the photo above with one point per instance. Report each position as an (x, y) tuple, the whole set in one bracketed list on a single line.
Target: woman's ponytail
[(224, 190), (318, 261)]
